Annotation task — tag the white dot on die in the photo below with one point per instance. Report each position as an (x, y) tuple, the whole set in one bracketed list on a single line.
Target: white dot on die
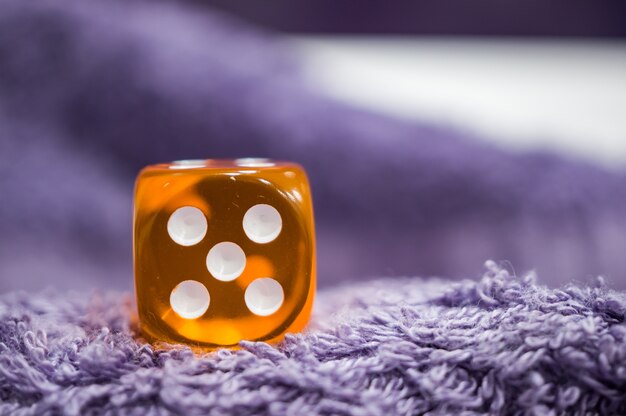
[(254, 162), (187, 226), (188, 164), (262, 223), (226, 261), (264, 296), (190, 299)]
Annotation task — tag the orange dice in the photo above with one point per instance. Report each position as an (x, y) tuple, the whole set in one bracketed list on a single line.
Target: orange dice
[(224, 251)]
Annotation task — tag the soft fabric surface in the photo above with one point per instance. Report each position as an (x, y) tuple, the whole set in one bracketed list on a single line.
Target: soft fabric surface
[(502, 344), (90, 91)]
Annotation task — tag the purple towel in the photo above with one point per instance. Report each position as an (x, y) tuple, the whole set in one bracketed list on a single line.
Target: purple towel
[(92, 91), (501, 345)]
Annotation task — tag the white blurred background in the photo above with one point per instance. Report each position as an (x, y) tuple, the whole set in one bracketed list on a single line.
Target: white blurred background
[(566, 96)]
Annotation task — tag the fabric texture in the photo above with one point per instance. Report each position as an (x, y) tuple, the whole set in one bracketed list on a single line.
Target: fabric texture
[(499, 345), (91, 91)]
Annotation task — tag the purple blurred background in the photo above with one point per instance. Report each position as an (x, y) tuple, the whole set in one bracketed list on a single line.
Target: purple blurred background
[(530, 18), (403, 183)]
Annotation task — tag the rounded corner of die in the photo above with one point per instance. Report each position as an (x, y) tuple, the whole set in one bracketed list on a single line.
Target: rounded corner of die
[(145, 171)]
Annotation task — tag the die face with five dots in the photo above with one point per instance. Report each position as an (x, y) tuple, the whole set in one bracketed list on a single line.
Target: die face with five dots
[(224, 250)]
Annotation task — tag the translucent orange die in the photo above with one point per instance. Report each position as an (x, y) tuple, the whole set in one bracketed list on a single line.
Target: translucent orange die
[(224, 251)]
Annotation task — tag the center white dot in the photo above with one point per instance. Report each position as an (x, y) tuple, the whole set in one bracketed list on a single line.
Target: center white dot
[(264, 296), (262, 223), (187, 226), (226, 261), (190, 299)]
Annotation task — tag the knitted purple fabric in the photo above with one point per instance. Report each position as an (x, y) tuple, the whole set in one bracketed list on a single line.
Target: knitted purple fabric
[(500, 345)]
